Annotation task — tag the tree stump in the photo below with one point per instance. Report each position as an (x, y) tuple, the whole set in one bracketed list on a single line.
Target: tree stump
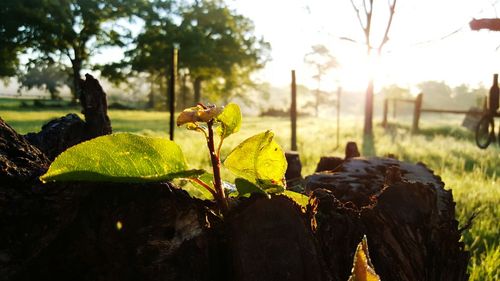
[(404, 211), (102, 231), (59, 134)]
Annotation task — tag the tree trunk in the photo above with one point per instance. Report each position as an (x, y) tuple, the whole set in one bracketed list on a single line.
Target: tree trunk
[(151, 96), (197, 89), (368, 128)]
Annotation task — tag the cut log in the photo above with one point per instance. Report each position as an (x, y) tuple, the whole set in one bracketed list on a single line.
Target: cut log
[(59, 134), (19, 160), (407, 215), (98, 231), (271, 240)]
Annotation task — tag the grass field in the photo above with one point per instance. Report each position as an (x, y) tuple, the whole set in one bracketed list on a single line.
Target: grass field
[(448, 149)]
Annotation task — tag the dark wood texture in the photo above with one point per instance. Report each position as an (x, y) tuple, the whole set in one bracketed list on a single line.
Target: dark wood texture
[(104, 231), (403, 208), (61, 133)]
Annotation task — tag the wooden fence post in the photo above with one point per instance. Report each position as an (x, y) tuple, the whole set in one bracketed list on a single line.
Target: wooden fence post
[(171, 90), (293, 113), (386, 109), (416, 113)]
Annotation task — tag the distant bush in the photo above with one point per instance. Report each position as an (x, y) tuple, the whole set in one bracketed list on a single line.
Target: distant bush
[(117, 105), (280, 113)]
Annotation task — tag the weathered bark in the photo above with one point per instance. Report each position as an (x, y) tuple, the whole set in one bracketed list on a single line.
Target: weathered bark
[(294, 168), (99, 231), (330, 163), (69, 231), (62, 133), (403, 209), (95, 107), (58, 135), (19, 160), (270, 239)]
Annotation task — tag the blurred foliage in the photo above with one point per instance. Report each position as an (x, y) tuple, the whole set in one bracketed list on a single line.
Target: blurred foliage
[(395, 92), (322, 61), (50, 78), (65, 31), (217, 48)]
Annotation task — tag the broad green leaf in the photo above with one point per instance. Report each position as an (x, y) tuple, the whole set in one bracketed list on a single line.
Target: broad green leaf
[(230, 119), (121, 157), (299, 198), (362, 268), (246, 188), (258, 159), (271, 186)]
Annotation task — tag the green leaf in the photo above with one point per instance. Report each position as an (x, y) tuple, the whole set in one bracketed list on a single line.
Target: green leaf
[(258, 159), (245, 188), (198, 192), (362, 268), (271, 186), (299, 198), (230, 119), (121, 157)]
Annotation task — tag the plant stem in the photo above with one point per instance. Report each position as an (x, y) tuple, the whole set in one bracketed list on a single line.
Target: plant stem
[(220, 196), (207, 187)]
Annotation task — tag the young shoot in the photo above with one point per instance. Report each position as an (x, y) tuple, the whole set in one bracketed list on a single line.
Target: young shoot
[(202, 118), (258, 162)]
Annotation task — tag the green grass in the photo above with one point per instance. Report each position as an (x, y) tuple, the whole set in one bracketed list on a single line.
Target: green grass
[(472, 174)]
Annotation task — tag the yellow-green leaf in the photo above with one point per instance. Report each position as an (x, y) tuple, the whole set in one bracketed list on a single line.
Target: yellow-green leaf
[(196, 190), (230, 119), (299, 198), (258, 159), (246, 188), (121, 157), (362, 268)]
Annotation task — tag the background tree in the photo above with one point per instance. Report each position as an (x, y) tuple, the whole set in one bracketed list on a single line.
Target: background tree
[(395, 92), (217, 46), (50, 78), (67, 30), (364, 13), (437, 94), (322, 61)]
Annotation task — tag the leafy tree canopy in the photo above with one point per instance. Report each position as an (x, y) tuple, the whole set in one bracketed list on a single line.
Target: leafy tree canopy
[(217, 45), (62, 30)]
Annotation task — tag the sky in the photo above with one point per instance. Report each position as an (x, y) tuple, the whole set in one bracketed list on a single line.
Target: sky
[(429, 40)]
